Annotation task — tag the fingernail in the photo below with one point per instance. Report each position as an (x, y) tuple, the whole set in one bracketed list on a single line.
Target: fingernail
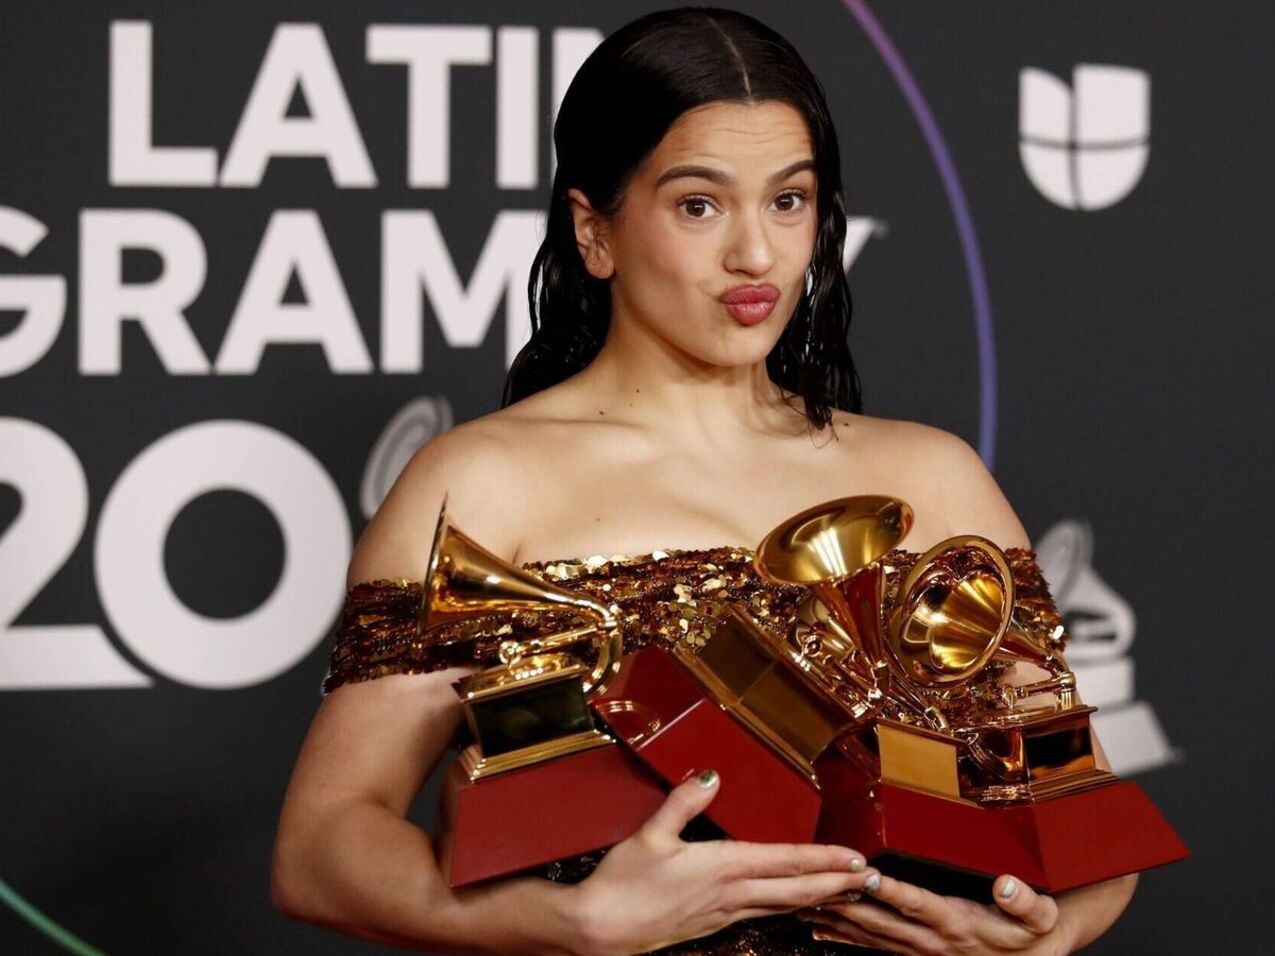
[(1009, 888), (872, 883), (708, 779), (857, 864)]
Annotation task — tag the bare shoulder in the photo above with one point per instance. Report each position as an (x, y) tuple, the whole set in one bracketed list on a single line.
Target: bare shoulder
[(898, 435), (949, 471), (477, 468), (491, 470)]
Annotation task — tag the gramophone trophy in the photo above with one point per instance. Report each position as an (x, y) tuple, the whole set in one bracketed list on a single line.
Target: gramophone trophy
[(946, 764), (769, 709), (896, 734), (539, 759), (739, 707)]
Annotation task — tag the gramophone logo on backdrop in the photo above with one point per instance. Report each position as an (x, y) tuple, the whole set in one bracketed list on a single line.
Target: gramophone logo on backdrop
[(1101, 624), (1085, 147), (411, 427)]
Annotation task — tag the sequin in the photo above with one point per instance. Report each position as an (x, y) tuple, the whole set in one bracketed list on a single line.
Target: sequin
[(662, 597)]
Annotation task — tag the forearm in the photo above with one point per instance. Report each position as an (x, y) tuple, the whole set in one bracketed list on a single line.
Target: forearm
[(374, 875), (1088, 912)]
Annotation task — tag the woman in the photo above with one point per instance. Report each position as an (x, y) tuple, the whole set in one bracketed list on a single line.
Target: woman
[(687, 386)]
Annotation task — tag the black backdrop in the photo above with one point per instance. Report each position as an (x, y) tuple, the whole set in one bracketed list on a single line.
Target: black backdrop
[(1066, 272)]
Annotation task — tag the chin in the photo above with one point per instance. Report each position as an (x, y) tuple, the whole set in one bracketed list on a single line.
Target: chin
[(731, 346), (739, 354)]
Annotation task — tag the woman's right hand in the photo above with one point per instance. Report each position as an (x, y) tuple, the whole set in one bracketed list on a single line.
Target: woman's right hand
[(655, 889)]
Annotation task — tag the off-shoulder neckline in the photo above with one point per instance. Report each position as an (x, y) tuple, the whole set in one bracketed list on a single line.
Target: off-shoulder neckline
[(632, 560), (661, 553)]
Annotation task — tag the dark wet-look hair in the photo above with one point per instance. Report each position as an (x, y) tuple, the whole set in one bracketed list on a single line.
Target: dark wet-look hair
[(619, 106)]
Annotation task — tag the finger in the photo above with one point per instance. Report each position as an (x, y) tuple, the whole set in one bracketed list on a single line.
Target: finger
[(917, 904), (684, 803), (860, 939), (826, 934), (757, 912), (1037, 911), (827, 928), (853, 896), (794, 892), (763, 860), (886, 924)]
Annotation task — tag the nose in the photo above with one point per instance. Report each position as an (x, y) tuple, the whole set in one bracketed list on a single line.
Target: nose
[(751, 249)]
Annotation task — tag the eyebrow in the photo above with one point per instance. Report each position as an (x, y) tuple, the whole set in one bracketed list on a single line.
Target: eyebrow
[(725, 179)]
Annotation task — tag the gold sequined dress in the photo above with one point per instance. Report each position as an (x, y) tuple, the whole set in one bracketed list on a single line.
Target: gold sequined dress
[(662, 597)]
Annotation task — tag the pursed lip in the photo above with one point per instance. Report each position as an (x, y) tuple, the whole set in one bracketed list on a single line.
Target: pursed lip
[(743, 294)]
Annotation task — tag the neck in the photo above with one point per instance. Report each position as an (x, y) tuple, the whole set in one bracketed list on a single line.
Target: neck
[(639, 378)]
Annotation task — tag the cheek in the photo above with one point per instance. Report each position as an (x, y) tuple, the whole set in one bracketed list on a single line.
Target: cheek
[(678, 256), (668, 271)]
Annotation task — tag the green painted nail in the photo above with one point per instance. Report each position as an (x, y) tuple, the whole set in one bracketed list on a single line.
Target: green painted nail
[(708, 779)]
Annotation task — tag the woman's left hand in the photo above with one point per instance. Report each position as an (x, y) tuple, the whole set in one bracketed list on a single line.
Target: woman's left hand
[(920, 923)]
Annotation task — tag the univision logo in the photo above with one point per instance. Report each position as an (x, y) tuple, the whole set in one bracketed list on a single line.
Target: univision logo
[(1084, 149)]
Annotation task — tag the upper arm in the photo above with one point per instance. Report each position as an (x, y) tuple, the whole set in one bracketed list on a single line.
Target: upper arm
[(379, 739), (474, 471), (376, 740), (972, 499), (370, 747)]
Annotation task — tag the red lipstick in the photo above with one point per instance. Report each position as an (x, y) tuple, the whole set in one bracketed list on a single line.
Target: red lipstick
[(750, 304)]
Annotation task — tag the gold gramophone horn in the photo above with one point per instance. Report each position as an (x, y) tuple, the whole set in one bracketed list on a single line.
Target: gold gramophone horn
[(833, 540), (464, 580), (954, 614), (832, 548), (532, 706)]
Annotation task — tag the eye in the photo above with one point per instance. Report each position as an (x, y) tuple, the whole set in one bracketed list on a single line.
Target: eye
[(692, 205), (796, 196)]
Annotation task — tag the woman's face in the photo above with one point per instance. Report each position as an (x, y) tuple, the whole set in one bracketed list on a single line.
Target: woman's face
[(727, 199)]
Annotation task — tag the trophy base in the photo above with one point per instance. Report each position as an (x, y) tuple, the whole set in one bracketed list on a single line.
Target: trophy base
[(675, 728), (563, 807), (1054, 844), (944, 880), (477, 765)]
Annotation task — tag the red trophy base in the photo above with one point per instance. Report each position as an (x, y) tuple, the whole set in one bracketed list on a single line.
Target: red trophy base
[(563, 807), (676, 729), (1054, 844)]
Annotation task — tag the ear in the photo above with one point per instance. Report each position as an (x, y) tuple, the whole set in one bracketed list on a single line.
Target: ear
[(591, 236)]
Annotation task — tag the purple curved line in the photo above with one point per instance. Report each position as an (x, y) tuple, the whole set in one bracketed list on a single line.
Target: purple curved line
[(964, 223)]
